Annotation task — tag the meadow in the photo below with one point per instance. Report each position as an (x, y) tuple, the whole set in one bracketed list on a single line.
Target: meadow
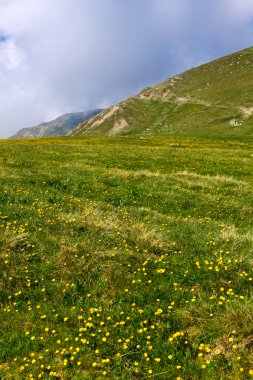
[(126, 258)]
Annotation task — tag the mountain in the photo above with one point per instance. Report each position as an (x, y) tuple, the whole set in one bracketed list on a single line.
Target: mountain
[(57, 127), (214, 99)]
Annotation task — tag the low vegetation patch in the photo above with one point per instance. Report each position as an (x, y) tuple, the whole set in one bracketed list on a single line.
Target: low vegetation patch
[(126, 258)]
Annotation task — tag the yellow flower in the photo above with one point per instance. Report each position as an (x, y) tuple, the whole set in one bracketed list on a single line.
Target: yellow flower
[(160, 271)]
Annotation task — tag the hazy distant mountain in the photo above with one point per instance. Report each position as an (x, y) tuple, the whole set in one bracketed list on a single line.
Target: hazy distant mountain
[(215, 98), (58, 127)]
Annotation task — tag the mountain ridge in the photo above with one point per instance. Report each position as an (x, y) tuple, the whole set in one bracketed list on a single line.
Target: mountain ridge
[(214, 97), (60, 126)]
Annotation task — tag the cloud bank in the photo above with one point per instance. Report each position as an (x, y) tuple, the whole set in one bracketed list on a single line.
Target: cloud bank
[(59, 56)]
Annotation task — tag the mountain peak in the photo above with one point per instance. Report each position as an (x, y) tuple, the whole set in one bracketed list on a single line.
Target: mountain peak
[(60, 126)]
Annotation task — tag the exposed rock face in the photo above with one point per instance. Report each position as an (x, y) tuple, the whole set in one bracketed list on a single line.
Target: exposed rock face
[(61, 126)]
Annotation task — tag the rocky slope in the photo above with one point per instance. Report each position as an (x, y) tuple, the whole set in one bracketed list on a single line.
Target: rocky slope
[(57, 127), (214, 98)]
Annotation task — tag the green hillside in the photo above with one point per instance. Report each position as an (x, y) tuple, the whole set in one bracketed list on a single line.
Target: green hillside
[(213, 99), (128, 258)]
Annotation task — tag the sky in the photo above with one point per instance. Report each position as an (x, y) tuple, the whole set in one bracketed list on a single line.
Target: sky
[(59, 56)]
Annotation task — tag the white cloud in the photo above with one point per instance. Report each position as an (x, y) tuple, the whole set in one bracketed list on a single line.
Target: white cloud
[(70, 55), (11, 57), (240, 11)]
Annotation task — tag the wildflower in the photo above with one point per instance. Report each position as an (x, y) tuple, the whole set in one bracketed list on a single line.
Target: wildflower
[(158, 311)]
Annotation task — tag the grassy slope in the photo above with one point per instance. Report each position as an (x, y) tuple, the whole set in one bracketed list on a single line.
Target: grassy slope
[(202, 101), (126, 258)]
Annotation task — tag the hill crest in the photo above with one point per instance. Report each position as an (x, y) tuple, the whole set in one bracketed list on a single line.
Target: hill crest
[(214, 98)]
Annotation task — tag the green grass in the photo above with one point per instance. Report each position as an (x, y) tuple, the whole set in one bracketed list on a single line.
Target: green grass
[(198, 102), (126, 258)]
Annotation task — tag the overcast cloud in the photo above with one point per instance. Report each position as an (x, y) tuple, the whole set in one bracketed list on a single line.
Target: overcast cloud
[(59, 56)]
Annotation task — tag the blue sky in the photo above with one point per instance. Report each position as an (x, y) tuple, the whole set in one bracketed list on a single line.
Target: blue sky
[(73, 55), (2, 38)]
